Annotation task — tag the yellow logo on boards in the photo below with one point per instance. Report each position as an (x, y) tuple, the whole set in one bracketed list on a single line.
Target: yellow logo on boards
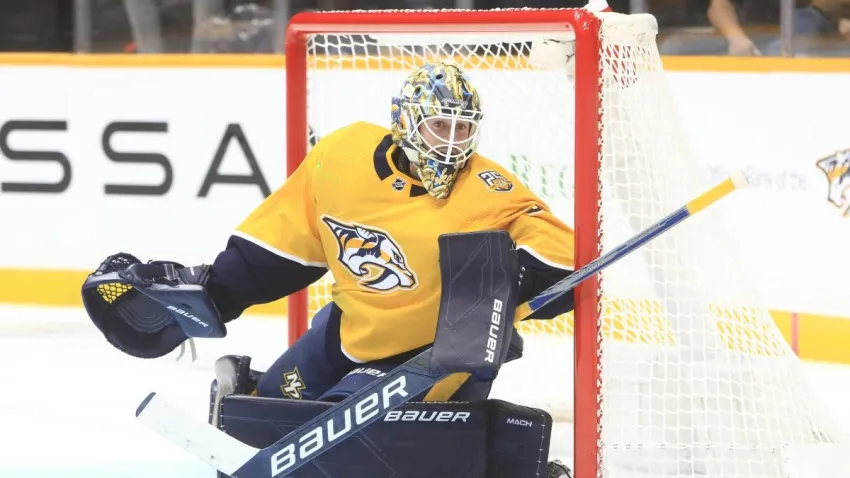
[(836, 167)]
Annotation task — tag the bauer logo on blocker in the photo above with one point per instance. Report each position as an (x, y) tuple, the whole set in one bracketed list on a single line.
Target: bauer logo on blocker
[(495, 325)]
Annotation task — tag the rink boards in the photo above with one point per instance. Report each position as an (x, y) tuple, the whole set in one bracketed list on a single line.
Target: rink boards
[(138, 154)]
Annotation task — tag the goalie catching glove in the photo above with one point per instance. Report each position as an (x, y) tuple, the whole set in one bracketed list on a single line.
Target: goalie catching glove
[(147, 310)]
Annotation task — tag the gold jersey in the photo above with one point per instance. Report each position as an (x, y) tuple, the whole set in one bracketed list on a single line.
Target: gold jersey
[(349, 208)]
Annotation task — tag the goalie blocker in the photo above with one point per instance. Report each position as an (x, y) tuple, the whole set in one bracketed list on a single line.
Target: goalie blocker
[(481, 438)]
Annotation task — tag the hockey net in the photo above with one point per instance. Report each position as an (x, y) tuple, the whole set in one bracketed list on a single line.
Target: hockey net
[(681, 372)]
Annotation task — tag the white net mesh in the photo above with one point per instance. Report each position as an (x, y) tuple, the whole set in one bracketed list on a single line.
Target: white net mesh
[(696, 379)]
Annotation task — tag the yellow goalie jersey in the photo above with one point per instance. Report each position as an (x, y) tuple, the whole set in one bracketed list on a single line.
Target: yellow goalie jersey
[(348, 208)]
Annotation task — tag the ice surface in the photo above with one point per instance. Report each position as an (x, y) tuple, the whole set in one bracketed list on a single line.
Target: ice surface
[(68, 398)]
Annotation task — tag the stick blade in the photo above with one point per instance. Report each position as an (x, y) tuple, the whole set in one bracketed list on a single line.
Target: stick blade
[(207, 443)]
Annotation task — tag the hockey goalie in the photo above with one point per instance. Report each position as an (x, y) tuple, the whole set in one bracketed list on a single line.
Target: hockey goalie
[(388, 211)]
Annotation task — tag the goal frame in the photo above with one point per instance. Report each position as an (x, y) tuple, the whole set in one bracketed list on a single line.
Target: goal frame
[(586, 27)]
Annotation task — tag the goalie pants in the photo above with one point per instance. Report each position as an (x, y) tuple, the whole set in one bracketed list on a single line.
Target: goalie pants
[(315, 368)]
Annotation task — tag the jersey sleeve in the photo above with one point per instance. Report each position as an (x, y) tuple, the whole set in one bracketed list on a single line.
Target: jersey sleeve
[(545, 247), (276, 250), (285, 222), (538, 232)]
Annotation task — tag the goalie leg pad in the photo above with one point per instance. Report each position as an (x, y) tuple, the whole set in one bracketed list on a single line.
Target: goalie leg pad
[(488, 438)]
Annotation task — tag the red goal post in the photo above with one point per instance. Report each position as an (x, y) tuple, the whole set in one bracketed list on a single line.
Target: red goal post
[(585, 26)]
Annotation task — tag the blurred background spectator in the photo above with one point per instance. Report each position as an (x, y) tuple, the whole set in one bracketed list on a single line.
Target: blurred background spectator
[(753, 27), (686, 27), (822, 27), (713, 27), (36, 25)]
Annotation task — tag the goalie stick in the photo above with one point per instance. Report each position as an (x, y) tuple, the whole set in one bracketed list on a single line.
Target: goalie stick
[(238, 460)]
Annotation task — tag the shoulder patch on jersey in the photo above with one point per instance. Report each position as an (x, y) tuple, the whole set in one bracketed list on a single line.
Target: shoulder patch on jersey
[(495, 182), (371, 255)]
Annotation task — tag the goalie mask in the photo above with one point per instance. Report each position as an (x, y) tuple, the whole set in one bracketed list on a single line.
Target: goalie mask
[(435, 120)]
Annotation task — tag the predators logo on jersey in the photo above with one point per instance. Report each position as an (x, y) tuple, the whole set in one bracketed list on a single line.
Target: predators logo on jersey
[(837, 169), (372, 255), (495, 181)]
